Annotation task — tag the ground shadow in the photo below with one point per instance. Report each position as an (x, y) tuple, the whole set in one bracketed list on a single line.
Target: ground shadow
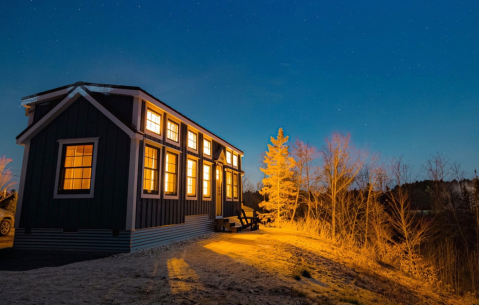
[(24, 260)]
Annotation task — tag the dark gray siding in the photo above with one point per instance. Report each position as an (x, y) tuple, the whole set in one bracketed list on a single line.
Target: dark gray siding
[(107, 210), (42, 109)]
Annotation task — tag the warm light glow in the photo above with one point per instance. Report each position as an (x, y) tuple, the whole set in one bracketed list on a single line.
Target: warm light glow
[(192, 140), (235, 160), (153, 121), (77, 167), (207, 147), (150, 174), (228, 157), (235, 186), (228, 184), (191, 178), (172, 133), (170, 173), (206, 181), (217, 174), (182, 278)]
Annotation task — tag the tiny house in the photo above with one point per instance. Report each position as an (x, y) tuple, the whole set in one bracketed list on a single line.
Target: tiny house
[(113, 168)]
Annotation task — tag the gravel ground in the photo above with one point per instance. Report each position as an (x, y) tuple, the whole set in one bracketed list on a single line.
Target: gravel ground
[(220, 268)]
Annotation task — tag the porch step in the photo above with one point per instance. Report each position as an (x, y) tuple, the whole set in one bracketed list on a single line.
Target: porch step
[(224, 225)]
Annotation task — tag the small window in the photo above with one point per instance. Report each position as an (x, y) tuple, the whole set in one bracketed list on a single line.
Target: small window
[(192, 140), (207, 181), (153, 121), (228, 185), (191, 178), (235, 186), (172, 133), (235, 160), (171, 174), (228, 157), (76, 170), (207, 147), (150, 171)]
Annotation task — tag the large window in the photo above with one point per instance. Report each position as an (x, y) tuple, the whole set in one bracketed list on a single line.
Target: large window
[(192, 140), (76, 169), (228, 185), (228, 157), (150, 171), (153, 121), (235, 160), (207, 147), (171, 173), (172, 133), (206, 181), (235, 186), (191, 178)]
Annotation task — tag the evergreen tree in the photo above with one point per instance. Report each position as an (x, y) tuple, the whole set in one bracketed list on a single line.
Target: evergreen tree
[(278, 188)]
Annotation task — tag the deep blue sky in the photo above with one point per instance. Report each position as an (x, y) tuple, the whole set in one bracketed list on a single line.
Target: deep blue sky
[(401, 76)]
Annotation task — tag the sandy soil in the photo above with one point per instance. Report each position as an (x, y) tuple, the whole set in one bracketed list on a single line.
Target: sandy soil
[(221, 268)]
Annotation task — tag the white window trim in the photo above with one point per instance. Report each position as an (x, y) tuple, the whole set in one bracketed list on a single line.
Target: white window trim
[(178, 168), (233, 186), (160, 113), (193, 158), (212, 175), (226, 157), (158, 146), (169, 118), (226, 184), (211, 147), (188, 140), (59, 166), (233, 160)]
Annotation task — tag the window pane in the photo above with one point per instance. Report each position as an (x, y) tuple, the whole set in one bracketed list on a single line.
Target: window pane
[(77, 161), (153, 121), (85, 184), (77, 184), (70, 151), (87, 161), (88, 150)]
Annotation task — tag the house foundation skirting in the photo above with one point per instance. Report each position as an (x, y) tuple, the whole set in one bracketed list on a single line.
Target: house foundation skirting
[(110, 241)]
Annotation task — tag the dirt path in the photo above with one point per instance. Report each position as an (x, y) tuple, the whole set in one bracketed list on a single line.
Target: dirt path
[(245, 268)]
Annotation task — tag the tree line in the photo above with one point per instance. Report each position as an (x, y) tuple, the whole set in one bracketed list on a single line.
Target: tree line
[(428, 229)]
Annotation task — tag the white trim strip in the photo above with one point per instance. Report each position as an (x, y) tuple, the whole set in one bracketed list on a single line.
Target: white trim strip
[(21, 188), (132, 185)]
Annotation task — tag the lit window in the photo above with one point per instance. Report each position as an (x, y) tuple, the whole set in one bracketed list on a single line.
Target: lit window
[(228, 185), (207, 147), (217, 174), (235, 160), (153, 121), (172, 133), (76, 169), (171, 174), (228, 157), (207, 181), (235, 186), (191, 178), (150, 171), (192, 140)]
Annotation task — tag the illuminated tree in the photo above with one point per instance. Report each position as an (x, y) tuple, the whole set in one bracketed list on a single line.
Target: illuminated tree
[(5, 178), (341, 164), (278, 188)]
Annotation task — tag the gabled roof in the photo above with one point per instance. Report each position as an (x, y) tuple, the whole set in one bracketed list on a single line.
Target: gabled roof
[(73, 94), (121, 90)]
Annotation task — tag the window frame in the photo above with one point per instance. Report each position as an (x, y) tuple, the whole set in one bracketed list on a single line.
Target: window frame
[(231, 157), (195, 196), (211, 146), (160, 168), (60, 161), (235, 185), (212, 176), (177, 143), (188, 140), (177, 153), (150, 132), (235, 156), (228, 172)]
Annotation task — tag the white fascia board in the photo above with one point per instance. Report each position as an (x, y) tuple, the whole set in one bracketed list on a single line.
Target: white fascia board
[(45, 97), (111, 90), (67, 101)]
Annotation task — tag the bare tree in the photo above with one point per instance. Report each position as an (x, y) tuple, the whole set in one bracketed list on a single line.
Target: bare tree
[(341, 163), (5, 178)]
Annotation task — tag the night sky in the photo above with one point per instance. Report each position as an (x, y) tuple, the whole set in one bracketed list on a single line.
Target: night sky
[(401, 76)]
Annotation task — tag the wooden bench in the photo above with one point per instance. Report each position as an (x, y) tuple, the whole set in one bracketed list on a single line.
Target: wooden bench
[(247, 221)]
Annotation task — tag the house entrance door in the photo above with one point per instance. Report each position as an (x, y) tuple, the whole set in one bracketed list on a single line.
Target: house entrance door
[(219, 189)]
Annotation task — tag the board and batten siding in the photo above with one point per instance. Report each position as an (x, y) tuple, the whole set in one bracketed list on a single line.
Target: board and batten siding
[(107, 210)]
